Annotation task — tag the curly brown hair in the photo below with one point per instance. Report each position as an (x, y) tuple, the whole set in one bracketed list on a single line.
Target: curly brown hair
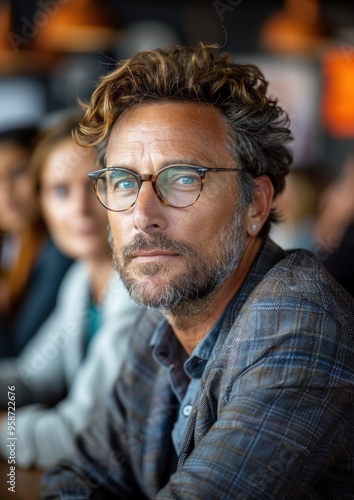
[(258, 128)]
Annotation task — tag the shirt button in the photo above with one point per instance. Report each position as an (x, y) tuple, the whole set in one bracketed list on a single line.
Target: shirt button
[(186, 410)]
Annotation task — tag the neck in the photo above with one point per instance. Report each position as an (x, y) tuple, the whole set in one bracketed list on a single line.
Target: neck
[(193, 322), (100, 272)]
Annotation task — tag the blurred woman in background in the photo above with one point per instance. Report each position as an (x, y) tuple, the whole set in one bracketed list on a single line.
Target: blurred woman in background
[(72, 362), (31, 267), (334, 232)]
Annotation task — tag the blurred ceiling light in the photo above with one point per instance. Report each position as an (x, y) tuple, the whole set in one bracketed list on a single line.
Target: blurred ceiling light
[(338, 93), (80, 26), (16, 54), (5, 25), (297, 29)]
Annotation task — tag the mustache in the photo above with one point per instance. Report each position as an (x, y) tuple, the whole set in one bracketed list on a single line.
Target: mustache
[(154, 242)]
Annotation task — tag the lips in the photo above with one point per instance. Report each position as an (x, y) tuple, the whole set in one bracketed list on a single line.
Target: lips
[(154, 248), (153, 256), (153, 253)]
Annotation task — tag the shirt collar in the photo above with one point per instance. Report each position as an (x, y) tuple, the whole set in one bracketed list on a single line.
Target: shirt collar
[(195, 364), (167, 349)]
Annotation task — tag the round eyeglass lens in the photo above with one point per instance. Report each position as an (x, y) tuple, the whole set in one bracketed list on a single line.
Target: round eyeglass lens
[(179, 186), (117, 189)]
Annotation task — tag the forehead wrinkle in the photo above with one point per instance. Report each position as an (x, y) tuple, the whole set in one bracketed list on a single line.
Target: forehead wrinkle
[(161, 153), (134, 160), (197, 113), (168, 136)]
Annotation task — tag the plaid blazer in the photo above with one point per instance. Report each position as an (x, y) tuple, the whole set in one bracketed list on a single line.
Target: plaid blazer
[(274, 414)]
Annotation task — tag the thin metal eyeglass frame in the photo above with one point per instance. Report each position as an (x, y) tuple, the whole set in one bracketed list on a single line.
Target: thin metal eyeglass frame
[(153, 178)]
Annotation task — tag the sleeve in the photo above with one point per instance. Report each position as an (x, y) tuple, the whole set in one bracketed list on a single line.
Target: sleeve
[(36, 378), (37, 373), (41, 295), (108, 449), (104, 471), (47, 435), (284, 417)]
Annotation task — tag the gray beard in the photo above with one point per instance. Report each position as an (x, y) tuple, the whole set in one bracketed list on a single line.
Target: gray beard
[(188, 294)]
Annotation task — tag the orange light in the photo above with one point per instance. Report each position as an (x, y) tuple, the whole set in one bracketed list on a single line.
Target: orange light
[(338, 92)]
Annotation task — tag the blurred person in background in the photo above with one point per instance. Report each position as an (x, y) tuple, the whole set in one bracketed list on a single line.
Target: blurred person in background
[(31, 267), (298, 206), (71, 363), (334, 232)]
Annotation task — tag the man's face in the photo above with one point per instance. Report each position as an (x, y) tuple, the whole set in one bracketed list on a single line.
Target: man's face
[(170, 256)]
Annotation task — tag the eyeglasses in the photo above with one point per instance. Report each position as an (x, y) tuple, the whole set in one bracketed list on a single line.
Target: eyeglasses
[(178, 186)]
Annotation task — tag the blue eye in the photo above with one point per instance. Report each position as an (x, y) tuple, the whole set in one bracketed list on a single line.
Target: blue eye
[(181, 180), (127, 184), (120, 180), (187, 181)]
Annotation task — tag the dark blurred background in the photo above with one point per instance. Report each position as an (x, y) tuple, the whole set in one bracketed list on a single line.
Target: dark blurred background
[(52, 52)]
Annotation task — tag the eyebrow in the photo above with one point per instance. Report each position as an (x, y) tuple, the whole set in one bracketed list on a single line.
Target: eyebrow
[(184, 161)]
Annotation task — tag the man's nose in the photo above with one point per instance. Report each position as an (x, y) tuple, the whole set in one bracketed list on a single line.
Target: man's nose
[(149, 211)]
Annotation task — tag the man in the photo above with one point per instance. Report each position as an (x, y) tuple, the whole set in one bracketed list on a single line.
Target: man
[(245, 387)]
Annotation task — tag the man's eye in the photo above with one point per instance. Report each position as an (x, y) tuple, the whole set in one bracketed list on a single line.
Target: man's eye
[(186, 180), (120, 181), (179, 178), (126, 184)]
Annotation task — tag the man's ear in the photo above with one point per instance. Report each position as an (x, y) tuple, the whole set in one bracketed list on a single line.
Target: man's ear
[(258, 211)]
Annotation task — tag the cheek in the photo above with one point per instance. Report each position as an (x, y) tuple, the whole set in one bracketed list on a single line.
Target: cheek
[(55, 218), (120, 226), (205, 231), (58, 226), (24, 192)]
